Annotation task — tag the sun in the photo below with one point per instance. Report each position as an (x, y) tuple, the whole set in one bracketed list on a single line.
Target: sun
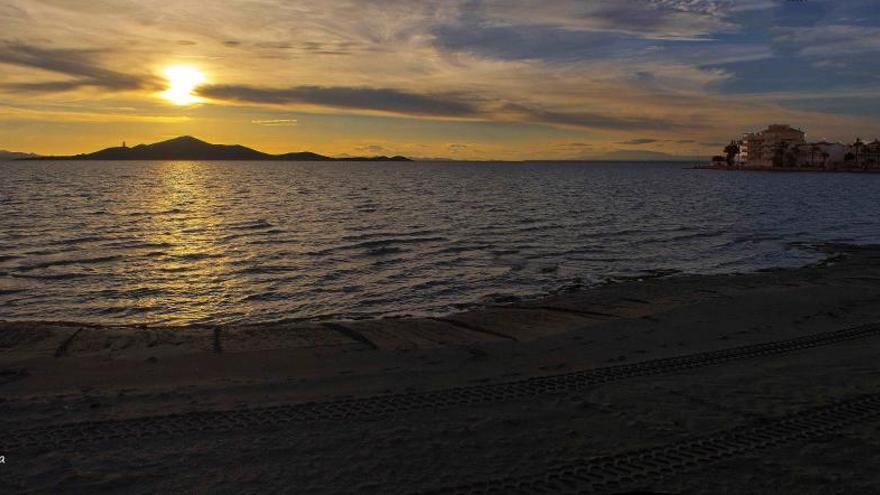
[(182, 81)]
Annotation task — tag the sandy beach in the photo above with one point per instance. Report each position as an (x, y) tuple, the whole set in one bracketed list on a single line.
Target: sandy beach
[(763, 382)]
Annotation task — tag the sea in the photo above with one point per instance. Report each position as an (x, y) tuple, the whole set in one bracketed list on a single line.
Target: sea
[(181, 242)]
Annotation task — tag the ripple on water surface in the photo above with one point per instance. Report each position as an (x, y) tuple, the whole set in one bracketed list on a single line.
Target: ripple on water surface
[(183, 242)]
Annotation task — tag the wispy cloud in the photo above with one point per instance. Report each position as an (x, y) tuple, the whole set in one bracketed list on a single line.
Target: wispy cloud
[(32, 114), (592, 120), (833, 40), (360, 98), (372, 148), (276, 122), (659, 19), (80, 64)]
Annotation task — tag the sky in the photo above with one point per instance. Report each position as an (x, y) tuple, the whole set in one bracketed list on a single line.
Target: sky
[(470, 79)]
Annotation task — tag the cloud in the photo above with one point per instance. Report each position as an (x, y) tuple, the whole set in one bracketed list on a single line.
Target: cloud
[(830, 41), (359, 98), (574, 146), (654, 19), (276, 122), (372, 148), (276, 45), (318, 48), (523, 42), (591, 120), (41, 115), (639, 141), (406, 103), (79, 64)]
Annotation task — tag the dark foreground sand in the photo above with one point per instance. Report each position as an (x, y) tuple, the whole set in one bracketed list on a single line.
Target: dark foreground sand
[(777, 390)]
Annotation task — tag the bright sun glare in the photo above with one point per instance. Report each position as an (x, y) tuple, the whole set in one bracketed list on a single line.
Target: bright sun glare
[(182, 81)]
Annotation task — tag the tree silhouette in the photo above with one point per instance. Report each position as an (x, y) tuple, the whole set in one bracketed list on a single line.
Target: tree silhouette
[(814, 150), (731, 150), (779, 152)]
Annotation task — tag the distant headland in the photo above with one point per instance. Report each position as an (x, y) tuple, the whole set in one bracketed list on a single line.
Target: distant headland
[(15, 155), (190, 148), (781, 147)]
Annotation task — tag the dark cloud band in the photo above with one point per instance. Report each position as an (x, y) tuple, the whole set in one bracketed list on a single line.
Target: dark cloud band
[(81, 65), (360, 98)]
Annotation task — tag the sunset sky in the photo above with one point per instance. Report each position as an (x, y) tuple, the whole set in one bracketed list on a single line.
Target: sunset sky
[(461, 79)]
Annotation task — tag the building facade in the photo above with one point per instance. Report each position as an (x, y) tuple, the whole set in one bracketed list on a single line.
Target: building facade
[(823, 155), (768, 148), (864, 155)]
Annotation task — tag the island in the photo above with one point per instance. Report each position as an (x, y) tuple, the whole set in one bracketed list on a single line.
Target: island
[(190, 148)]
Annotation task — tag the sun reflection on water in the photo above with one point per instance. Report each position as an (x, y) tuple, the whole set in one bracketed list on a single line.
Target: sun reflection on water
[(187, 224)]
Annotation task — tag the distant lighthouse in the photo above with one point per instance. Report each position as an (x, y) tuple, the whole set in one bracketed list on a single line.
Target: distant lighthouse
[(123, 145)]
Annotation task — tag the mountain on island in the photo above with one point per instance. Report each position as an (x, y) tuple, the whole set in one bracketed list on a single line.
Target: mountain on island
[(15, 155), (190, 148)]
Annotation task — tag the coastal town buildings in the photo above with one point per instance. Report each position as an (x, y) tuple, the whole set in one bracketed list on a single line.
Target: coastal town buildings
[(759, 149), (865, 155), (783, 146)]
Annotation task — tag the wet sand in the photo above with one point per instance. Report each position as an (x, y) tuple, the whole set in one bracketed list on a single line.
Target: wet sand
[(748, 383)]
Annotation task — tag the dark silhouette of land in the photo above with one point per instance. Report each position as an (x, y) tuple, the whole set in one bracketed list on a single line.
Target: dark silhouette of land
[(190, 148), (15, 155)]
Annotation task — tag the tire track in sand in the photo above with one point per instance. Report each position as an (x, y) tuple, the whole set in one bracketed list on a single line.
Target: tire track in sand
[(640, 468), (71, 435)]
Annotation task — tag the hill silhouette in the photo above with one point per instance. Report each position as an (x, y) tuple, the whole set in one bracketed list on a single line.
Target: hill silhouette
[(15, 155), (190, 148)]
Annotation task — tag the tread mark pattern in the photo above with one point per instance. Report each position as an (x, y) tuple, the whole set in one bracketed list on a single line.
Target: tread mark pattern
[(72, 435), (630, 469)]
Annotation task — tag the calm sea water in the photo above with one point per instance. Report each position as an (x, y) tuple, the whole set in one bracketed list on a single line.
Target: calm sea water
[(210, 242)]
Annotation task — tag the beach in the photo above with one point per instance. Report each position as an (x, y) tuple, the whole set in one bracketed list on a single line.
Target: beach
[(760, 382)]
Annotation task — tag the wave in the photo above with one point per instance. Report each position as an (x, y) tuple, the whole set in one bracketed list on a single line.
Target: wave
[(454, 249), (76, 240), (376, 245), (67, 262), (194, 256), (264, 297), (252, 225), (138, 245), (264, 269), (373, 235), (53, 276), (385, 250)]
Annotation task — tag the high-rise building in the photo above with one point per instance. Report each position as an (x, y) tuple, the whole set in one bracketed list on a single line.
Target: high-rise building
[(762, 149)]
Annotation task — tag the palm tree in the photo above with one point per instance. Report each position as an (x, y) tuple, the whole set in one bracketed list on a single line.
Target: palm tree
[(791, 157), (814, 148), (731, 150), (779, 150), (858, 147)]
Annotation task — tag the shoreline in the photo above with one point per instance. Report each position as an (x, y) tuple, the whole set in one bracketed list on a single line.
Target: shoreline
[(403, 405), (434, 313), (781, 169), (530, 319)]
